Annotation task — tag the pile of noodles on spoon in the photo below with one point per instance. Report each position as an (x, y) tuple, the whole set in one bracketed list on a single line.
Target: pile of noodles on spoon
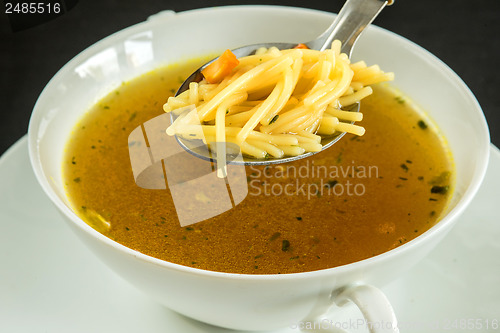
[(275, 103)]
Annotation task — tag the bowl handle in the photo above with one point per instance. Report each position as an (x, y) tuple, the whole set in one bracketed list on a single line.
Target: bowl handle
[(379, 317)]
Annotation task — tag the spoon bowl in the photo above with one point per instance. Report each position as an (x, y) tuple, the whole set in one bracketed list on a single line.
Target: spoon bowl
[(352, 19)]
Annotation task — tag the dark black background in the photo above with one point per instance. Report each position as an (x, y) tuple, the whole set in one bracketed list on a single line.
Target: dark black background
[(465, 34)]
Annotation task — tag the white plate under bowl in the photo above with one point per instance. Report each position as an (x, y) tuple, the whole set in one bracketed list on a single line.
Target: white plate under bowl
[(50, 282)]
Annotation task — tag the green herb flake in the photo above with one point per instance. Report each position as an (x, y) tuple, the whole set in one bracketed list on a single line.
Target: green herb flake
[(132, 116), (77, 179), (285, 245), (275, 236), (422, 124), (274, 119), (442, 178), (339, 158), (105, 107), (400, 100), (73, 161), (293, 258), (189, 228), (258, 256), (404, 167), (126, 228), (331, 183), (299, 218), (440, 189)]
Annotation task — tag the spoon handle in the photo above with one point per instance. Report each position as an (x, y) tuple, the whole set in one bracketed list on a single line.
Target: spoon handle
[(350, 22)]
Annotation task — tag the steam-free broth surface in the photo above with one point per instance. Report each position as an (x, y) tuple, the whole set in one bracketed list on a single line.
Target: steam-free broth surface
[(362, 197)]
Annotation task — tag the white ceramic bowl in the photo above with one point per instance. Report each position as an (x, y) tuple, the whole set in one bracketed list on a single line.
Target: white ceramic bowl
[(233, 300)]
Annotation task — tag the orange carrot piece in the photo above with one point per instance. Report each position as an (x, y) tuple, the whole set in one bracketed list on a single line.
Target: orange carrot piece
[(301, 46), (221, 67)]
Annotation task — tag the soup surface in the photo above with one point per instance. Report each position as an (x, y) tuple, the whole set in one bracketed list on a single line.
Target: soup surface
[(362, 197)]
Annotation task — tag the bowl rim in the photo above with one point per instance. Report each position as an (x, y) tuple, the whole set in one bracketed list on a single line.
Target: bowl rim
[(449, 218)]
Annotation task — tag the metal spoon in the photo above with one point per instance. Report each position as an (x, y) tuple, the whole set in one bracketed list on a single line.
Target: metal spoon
[(350, 22)]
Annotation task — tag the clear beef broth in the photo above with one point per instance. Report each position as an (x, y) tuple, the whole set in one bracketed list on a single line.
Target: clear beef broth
[(362, 197)]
